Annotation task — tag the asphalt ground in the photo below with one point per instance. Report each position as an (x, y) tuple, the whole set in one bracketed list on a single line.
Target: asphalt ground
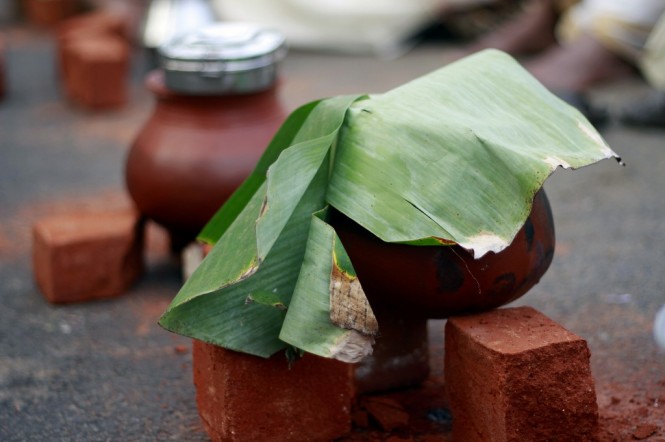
[(105, 371)]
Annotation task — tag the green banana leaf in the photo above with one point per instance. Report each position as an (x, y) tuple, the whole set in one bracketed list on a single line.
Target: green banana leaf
[(454, 157), (218, 303)]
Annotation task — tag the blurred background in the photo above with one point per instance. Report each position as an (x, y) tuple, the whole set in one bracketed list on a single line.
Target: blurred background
[(74, 97)]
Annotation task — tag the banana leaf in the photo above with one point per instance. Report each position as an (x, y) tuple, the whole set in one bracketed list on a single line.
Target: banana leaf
[(454, 157)]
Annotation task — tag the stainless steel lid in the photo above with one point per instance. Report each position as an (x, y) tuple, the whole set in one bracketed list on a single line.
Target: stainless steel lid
[(223, 58)]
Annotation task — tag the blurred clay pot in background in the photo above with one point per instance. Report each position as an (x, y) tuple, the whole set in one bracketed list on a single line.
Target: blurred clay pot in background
[(217, 110), (194, 151), (441, 281)]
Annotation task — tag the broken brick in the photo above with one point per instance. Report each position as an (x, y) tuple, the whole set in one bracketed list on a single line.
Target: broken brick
[(78, 257), (514, 375), (388, 413), (644, 431)]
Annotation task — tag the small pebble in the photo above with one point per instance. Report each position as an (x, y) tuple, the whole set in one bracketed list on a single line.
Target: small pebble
[(644, 431), (440, 416)]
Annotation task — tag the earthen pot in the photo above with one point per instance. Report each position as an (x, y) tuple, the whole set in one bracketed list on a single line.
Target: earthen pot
[(441, 281), (194, 151)]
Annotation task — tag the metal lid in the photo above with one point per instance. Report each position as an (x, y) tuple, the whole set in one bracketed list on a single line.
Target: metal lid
[(223, 58)]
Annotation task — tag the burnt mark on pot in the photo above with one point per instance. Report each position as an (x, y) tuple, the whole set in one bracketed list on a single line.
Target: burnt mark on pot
[(543, 258), (547, 258), (449, 273), (529, 232), (540, 263), (504, 284), (548, 210)]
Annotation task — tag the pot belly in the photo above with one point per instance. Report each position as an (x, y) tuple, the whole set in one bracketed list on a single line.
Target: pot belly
[(441, 281)]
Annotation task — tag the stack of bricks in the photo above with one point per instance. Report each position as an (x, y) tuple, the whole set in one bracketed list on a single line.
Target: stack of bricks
[(93, 52), (84, 256)]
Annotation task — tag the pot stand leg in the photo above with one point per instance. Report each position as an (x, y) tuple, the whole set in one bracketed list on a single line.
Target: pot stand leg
[(400, 358)]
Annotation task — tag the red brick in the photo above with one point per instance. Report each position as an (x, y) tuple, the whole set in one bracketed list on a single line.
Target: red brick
[(387, 413), (246, 398), (515, 375), (85, 27), (97, 70), (79, 257)]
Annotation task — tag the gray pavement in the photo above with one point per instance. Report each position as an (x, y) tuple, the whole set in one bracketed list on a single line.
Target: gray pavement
[(105, 371)]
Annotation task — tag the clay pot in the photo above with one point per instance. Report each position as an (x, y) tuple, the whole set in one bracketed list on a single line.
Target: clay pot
[(406, 285), (437, 282), (194, 151)]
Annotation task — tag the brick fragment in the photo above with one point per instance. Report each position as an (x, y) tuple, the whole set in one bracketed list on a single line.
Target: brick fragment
[(514, 374), (246, 398), (388, 413), (644, 431), (79, 257)]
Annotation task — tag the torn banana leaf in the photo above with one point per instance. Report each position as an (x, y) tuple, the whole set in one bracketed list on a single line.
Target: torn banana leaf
[(262, 249), (454, 157), (329, 302)]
